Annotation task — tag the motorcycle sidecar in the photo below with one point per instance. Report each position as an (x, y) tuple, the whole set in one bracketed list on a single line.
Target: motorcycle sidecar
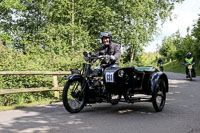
[(130, 81)]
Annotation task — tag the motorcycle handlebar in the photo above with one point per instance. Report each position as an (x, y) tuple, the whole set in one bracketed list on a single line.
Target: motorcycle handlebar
[(186, 64), (94, 57), (103, 56)]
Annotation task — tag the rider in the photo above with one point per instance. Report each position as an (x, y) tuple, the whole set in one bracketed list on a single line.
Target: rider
[(190, 59), (112, 50), (160, 61)]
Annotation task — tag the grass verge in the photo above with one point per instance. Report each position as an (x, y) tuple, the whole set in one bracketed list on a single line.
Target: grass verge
[(177, 67), (45, 101)]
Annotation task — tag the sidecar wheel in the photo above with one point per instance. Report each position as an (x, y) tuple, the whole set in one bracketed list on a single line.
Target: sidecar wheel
[(73, 100), (159, 96)]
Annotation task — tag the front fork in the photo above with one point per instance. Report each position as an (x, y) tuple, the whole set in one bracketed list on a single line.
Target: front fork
[(85, 79), (190, 72)]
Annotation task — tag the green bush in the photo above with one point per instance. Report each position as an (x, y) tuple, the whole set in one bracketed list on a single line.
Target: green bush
[(35, 60)]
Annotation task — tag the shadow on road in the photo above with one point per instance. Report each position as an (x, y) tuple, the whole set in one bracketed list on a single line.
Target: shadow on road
[(52, 118)]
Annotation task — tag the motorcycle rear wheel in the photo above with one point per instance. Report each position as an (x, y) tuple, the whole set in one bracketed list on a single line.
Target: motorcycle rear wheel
[(159, 96), (73, 100)]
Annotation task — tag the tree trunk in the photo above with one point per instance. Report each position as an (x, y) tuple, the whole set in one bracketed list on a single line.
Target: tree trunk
[(73, 23), (132, 54)]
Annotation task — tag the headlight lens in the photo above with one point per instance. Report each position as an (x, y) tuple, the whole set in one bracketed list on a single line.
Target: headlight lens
[(121, 73)]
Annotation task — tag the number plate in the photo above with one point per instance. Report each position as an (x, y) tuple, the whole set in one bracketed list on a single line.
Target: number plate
[(190, 67), (109, 77)]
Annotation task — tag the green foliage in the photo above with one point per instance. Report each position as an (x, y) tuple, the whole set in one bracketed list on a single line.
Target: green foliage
[(168, 48), (150, 59), (135, 26), (14, 60), (175, 47), (60, 26), (28, 104), (21, 98), (196, 40)]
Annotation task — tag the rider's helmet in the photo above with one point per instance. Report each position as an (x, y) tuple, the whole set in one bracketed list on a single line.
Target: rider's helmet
[(106, 34), (189, 55)]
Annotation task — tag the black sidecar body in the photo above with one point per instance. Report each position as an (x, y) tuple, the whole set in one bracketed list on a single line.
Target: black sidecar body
[(135, 80)]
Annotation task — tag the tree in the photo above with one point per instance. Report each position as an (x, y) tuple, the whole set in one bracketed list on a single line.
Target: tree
[(60, 26), (135, 22), (196, 35)]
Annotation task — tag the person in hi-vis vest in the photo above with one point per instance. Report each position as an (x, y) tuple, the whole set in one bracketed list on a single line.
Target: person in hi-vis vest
[(190, 59)]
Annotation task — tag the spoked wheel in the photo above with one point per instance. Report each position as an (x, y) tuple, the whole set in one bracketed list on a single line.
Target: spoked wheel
[(159, 96), (115, 99), (73, 100)]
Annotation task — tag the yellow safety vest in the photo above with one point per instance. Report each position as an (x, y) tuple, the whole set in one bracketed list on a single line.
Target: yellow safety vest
[(188, 60)]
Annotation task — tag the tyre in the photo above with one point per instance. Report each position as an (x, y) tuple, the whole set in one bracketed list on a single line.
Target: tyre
[(190, 74), (73, 100), (159, 96)]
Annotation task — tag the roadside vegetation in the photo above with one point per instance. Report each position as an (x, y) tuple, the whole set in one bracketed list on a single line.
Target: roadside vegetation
[(177, 67), (32, 103), (175, 47)]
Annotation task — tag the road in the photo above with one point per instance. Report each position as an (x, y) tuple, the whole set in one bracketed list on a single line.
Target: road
[(180, 115)]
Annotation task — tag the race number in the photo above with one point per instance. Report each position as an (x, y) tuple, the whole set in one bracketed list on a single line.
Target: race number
[(109, 77), (190, 67)]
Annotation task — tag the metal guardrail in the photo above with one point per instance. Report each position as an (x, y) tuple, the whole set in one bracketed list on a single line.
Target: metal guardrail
[(22, 90)]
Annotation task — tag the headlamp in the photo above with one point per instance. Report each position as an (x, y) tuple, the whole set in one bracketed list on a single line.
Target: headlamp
[(121, 73)]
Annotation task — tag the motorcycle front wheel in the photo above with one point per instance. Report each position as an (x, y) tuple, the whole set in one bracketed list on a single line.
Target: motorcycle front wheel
[(190, 74), (73, 100)]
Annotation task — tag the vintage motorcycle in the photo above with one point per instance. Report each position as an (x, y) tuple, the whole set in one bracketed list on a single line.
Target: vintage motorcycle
[(190, 71), (113, 85)]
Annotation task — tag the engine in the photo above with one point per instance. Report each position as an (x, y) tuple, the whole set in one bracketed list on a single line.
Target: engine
[(97, 83)]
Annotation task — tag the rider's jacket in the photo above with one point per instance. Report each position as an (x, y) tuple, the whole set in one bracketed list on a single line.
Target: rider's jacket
[(189, 60), (159, 62), (111, 49)]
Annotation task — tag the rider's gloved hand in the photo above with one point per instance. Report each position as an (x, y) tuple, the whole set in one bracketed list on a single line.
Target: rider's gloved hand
[(107, 57), (112, 57)]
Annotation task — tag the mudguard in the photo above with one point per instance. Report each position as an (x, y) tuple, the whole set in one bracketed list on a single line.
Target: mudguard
[(74, 76), (155, 77)]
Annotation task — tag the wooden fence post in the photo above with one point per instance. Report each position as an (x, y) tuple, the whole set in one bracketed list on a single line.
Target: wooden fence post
[(55, 81), (55, 85)]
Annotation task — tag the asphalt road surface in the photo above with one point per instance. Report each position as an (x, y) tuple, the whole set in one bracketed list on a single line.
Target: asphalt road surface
[(180, 115)]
